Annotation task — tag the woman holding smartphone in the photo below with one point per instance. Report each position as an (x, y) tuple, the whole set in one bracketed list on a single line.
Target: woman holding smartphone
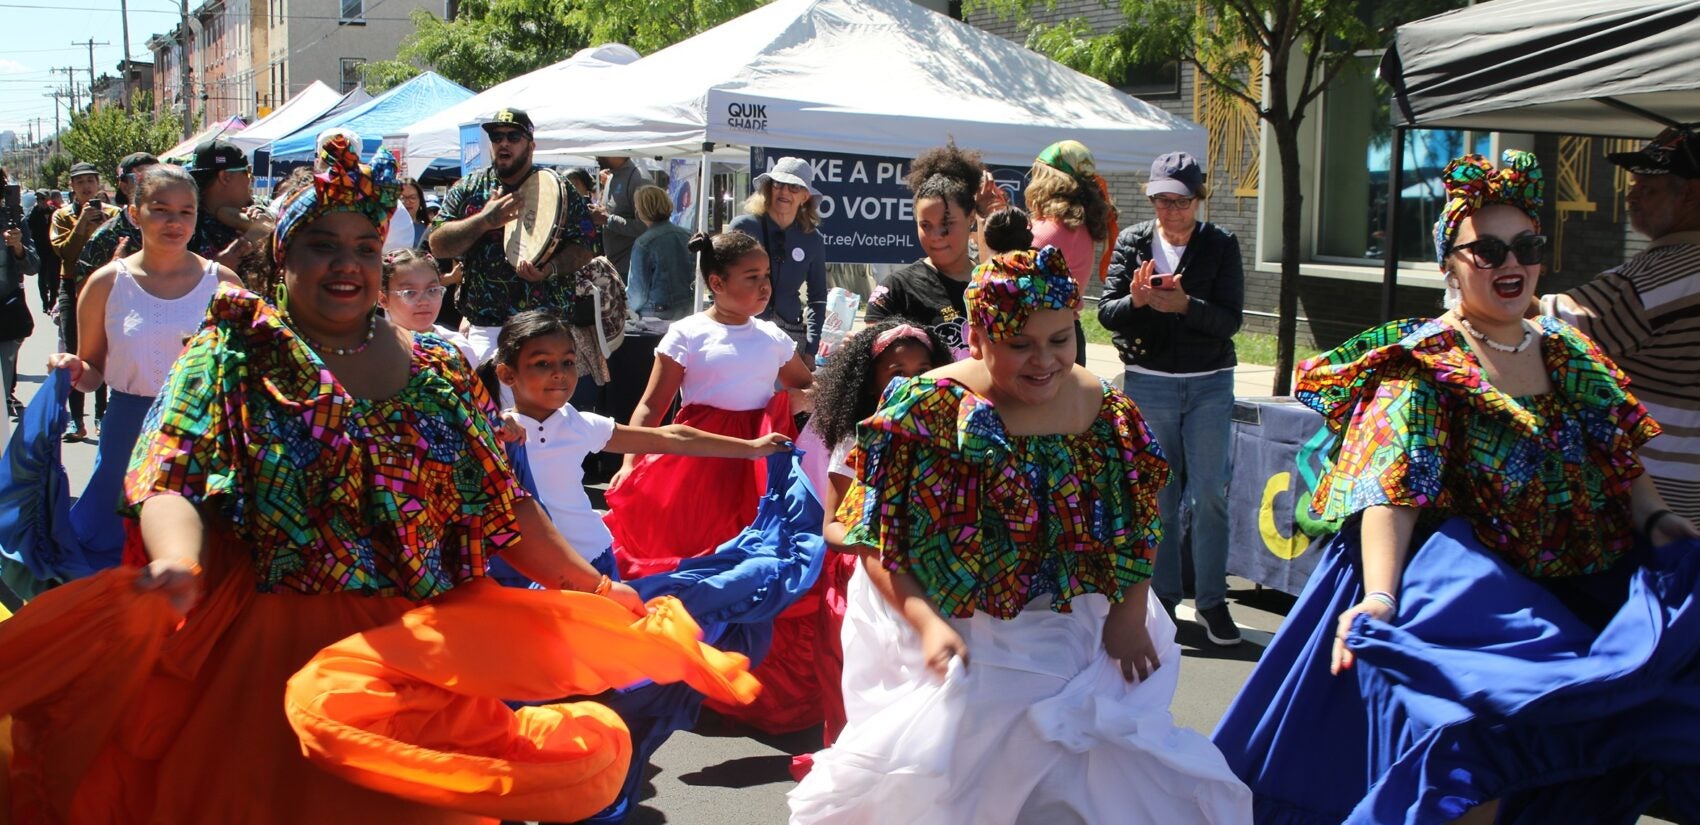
[(1173, 299)]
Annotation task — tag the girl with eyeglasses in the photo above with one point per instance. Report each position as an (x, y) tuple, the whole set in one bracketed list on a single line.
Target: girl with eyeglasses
[(413, 295), (1504, 627)]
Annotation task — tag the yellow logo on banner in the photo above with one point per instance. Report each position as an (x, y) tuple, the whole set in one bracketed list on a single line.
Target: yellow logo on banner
[(1285, 547)]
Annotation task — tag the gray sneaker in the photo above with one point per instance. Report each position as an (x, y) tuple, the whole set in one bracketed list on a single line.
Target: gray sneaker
[(1219, 626)]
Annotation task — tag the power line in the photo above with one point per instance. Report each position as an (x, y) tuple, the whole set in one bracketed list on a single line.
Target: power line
[(366, 17)]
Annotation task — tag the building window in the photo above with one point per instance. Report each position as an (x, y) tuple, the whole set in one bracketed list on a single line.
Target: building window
[(1353, 163), (354, 11), (1160, 79), (351, 72)]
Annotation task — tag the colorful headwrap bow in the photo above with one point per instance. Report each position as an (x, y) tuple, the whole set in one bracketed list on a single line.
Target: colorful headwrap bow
[(345, 186), (1010, 287), (1472, 183)]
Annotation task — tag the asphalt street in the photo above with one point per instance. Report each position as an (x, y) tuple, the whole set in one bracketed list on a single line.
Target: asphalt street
[(722, 774)]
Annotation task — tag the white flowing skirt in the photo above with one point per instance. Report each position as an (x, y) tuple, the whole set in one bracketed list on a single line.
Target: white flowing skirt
[(1039, 728)]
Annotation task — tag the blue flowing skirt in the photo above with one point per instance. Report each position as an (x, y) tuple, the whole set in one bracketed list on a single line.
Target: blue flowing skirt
[(1487, 686), (45, 539), (734, 593)]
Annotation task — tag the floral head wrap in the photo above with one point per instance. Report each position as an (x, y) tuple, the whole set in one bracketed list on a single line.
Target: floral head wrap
[(1010, 287), (345, 186), (1472, 183)]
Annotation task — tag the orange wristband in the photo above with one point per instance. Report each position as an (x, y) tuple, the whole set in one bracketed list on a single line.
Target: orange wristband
[(603, 586)]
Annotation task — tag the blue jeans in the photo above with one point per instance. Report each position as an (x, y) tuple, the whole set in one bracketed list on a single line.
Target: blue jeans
[(1192, 420)]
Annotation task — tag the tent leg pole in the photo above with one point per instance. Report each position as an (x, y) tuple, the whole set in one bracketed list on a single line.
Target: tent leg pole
[(1390, 231), (705, 201)]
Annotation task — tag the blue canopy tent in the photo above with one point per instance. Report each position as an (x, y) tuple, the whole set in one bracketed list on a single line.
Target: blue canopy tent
[(388, 113)]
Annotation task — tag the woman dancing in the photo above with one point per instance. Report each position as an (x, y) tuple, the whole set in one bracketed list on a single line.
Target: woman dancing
[(1003, 663), (1490, 633), (312, 473)]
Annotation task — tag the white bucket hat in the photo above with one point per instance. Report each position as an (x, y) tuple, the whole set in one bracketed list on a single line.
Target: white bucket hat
[(794, 171)]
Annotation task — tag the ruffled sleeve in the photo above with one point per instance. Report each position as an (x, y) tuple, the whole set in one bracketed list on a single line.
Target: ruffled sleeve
[(989, 522), (914, 499), (1389, 415), (191, 440), (1615, 422)]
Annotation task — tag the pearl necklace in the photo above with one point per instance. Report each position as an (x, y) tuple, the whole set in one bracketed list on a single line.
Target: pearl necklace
[(371, 331), (1528, 337)]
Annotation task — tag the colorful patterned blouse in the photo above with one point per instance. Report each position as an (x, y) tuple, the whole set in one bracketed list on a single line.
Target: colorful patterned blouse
[(404, 496), (989, 521), (1544, 479), (492, 291)]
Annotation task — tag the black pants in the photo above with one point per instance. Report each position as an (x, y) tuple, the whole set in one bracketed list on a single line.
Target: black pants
[(47, 283)]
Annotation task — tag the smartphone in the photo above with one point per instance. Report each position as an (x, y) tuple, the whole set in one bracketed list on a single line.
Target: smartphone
[(1162, 281), (12, 210)]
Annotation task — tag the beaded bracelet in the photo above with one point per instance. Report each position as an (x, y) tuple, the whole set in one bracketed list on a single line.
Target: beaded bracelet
[(1384, 597)]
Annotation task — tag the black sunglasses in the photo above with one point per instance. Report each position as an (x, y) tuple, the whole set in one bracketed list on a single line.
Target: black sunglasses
[(508, 136), (1490, 253)]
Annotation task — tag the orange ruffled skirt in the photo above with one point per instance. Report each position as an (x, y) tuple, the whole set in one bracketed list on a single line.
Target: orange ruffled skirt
[(337, 708)]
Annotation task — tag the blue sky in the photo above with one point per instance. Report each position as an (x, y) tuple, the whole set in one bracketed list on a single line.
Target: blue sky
[(36, 35)]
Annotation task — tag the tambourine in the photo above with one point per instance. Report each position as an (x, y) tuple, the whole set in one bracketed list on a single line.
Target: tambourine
[(536, 233)]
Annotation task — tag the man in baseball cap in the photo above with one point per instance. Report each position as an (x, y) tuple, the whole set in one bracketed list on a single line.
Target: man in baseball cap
[(1645, 314), (69, 230)]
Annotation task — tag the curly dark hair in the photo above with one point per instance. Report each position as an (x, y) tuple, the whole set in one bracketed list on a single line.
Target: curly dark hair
[(844, 387), (948, 173)]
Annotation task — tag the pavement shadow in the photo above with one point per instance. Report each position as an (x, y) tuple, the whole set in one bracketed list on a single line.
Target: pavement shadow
[(743, 772)]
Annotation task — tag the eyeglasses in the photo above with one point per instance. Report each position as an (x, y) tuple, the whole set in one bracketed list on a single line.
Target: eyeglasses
[(508, 136), (1490, 253), (414, 296), (1173, 204)]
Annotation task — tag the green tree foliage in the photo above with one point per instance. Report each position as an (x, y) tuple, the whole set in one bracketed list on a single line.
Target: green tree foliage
[(490, 41), (55, 172), (652, 25), (1305, 44), (104, 135)]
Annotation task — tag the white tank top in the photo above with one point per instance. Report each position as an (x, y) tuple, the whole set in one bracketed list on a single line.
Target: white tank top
[(145, 334)]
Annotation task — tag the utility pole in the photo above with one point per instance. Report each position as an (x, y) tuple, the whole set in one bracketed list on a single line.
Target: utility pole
[(91, 44), (124, 14), (70, 73), (183, 70)]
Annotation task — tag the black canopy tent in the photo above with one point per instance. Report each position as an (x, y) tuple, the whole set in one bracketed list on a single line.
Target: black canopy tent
[(1609, 68)]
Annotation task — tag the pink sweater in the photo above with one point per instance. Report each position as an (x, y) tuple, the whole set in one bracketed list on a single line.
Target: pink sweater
[(1076, 246)]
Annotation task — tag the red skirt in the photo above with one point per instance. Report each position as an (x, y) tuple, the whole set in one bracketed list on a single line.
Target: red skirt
[(123, 714), (674, 507), (677, 507)]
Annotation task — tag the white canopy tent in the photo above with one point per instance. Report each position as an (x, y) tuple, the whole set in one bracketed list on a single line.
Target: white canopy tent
[(872, 77), (306, 106), (437, 138)]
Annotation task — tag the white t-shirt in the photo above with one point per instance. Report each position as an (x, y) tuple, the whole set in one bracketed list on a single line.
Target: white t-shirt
[(728, 367), (1168, 255), (555, 449), (839, 463)]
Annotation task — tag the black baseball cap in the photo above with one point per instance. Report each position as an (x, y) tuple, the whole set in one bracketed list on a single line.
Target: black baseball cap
[(82, 169), (217, 155), (1674, 152), (517, 118), (135, 159)]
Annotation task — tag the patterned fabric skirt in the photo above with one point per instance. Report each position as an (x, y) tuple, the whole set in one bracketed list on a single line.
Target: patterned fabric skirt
[(1039, 729), (123, 713), (1487, 686), (672, 508)]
